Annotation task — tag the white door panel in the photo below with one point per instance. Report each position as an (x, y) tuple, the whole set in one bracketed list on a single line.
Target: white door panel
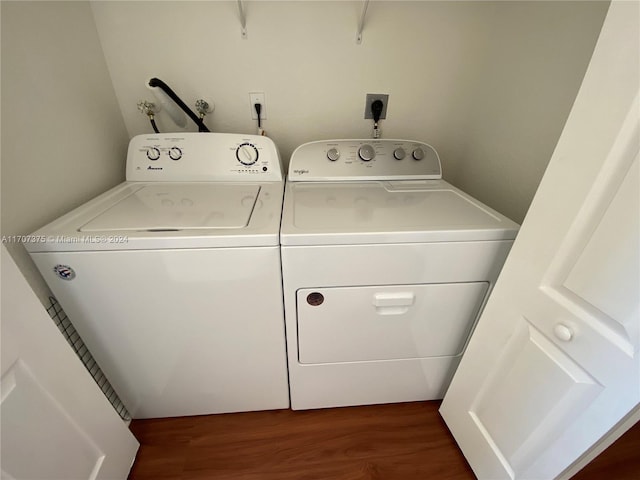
[(556, 386), (25, 400), (554, 363), (608, 300), (55, 421)]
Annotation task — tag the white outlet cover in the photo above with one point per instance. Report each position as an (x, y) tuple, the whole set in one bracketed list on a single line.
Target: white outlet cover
[(257, 97)]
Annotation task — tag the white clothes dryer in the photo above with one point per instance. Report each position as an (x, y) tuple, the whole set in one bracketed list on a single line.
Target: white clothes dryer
[(386, 268), (173, 278)]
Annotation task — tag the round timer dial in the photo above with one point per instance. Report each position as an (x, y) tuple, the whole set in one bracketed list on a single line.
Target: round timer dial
[(153, 153), (366, 153), (247, 154), (175, 153)]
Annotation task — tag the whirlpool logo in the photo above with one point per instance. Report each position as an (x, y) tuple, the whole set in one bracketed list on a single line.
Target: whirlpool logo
[(300, 171)]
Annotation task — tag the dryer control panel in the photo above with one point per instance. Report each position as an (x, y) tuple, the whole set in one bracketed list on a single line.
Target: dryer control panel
[(202, 157), (364, 160)]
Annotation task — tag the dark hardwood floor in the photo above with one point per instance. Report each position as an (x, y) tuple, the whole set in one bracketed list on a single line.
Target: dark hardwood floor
[(621, 461), (382, 442)]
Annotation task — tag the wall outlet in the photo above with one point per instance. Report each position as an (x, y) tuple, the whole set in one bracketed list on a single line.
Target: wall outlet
[(372, 97), (257, 97)]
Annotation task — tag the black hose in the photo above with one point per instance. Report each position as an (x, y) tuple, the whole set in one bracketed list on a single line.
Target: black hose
[(156, 82), (153, 125)]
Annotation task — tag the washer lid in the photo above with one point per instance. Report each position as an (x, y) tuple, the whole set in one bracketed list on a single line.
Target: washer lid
[(387, 212), (157, 208)]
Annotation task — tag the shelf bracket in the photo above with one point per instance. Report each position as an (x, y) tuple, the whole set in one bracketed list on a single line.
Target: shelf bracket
[(243, 20), (361, 22)]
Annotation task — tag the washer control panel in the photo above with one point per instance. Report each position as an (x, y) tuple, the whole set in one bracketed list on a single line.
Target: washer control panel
[(364, 160), (192, 157)]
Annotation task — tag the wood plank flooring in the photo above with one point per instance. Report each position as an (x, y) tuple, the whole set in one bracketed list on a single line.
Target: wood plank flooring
[(382, 442)]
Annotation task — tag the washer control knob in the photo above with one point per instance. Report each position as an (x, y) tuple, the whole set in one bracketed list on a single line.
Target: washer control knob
[(175, 153), (153, 153), (333, 154), (247, 154), (366, 153), (418, 154), (399, 153)]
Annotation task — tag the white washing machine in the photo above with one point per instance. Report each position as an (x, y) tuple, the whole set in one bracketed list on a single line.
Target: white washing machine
[(173, 278), (386, 268)]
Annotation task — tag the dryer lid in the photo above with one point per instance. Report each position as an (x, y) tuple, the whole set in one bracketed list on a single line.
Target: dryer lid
[(387, 212), (194, 206)]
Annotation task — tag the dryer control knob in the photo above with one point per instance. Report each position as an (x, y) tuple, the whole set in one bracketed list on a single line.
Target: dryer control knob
[(333, 154), (153, 153), (399, 153), (366, 153), (247, 154), (175, 153), (418, 154)]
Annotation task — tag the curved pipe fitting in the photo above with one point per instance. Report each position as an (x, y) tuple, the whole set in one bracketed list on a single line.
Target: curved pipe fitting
[(164, 93)]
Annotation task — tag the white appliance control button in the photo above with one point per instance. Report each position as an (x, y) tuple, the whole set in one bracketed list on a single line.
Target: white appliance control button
[(247, 154), (366, 152), (399, 153), (333, 154), (153, 153), (175, 153), (418, 154)]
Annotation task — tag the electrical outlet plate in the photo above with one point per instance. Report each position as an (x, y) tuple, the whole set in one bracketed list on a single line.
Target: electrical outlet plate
[(372, 97), (257, 97)]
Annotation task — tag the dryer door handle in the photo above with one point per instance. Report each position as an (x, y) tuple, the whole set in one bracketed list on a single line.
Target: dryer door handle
[(393, 303)]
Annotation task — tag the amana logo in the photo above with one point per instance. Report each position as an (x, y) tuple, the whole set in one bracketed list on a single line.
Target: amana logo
[(153, 168), (65, 272)]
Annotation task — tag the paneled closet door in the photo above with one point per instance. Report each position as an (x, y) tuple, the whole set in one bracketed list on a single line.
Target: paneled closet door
[(56, 423), (554, 362)]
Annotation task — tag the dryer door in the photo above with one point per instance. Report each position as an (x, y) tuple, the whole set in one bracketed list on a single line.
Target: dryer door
[(350, 324)]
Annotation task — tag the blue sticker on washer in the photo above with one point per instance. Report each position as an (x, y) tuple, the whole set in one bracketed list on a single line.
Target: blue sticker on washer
[(65, 272)]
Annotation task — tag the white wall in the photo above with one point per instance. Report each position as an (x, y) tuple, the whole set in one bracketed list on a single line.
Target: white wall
[(488, 84), (63, 137), (535, 55)]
